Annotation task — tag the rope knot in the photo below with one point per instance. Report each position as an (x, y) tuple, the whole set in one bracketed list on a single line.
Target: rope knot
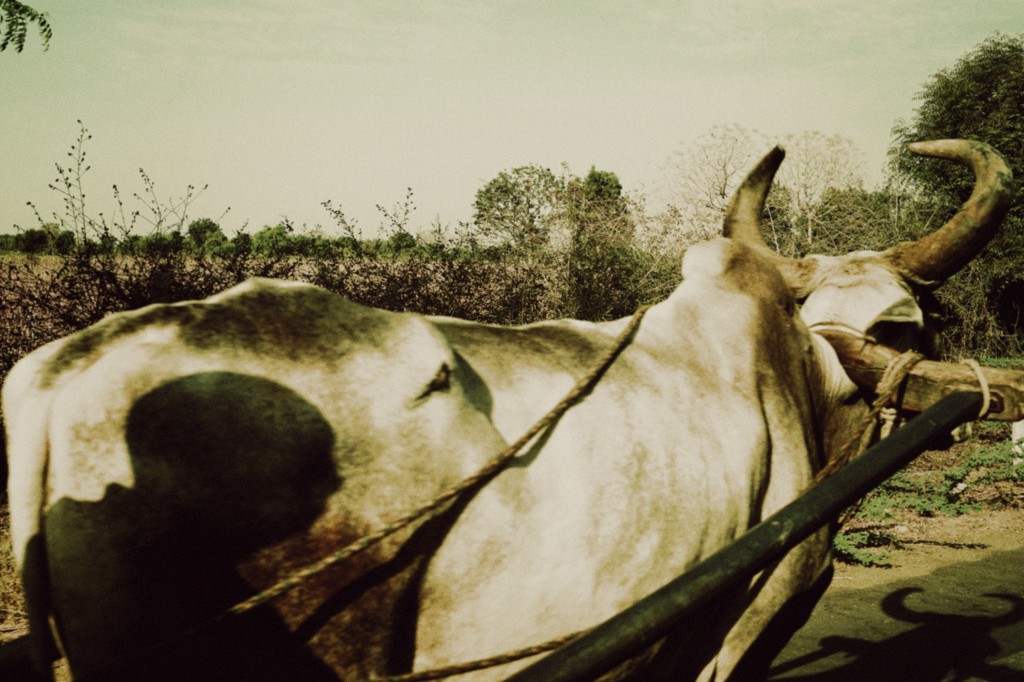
[(894, 375), (887, 391)]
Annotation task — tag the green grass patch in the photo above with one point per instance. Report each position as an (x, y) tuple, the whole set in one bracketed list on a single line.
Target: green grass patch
[(1003, 363), (925, 494), (863, 547), (988, 477)]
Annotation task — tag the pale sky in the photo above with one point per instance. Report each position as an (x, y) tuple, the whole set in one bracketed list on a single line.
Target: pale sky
[(281, 104)]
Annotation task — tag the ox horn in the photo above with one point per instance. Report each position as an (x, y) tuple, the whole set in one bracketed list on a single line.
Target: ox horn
[(743, 221), (935, 257)]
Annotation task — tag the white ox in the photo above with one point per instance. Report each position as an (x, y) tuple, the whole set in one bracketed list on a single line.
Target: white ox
[(168, 462)]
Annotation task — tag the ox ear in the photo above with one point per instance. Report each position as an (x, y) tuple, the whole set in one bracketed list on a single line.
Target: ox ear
[(899, 325)]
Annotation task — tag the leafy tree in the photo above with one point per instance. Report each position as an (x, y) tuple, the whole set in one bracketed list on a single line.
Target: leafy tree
[(401, 241), (131, 245), (242, 243), (163, 244), (62, 242), (602, 189), (105, 243), (219, 245), (15, 18), (273, 239), (980, 97), (205, 235), (32, 240), (601, 259), (519, 206), (47, 239)]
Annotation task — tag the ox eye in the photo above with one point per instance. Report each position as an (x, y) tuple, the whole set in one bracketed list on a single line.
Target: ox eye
[(440, 382)]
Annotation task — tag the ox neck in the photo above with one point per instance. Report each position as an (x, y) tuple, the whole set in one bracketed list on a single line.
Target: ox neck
[(839, 407)]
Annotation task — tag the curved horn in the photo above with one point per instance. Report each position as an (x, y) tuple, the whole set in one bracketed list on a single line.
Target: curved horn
[(743, 221), (743, 217), (935, 257)]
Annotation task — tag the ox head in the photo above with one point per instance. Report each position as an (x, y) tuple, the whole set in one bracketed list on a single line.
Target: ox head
[(878, 293)]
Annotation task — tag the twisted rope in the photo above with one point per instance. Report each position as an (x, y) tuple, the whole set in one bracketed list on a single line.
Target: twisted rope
[(428, 511), (434, 507), (886, 391)]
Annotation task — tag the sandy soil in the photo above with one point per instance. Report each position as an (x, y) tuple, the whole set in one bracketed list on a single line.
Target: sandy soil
[(951, 608)]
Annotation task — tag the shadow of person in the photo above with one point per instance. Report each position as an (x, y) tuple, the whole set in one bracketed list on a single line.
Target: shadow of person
[(942, 646), (224, 464)]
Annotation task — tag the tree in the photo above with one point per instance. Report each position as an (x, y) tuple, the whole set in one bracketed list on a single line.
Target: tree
[(705, 173), (162, 244), (33, 241), (273, 240), (816, 164), (853, 219), (46, 239), (15, 18), (980, 97), (581, 230), (205, 235), (601, 267), (242, 243), (519, 206), (401, 241)]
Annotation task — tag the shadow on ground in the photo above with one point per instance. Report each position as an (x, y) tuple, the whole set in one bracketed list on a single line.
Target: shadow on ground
[(961, 622)]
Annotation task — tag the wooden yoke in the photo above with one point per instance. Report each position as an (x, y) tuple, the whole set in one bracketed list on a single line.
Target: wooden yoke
[(929, 380)]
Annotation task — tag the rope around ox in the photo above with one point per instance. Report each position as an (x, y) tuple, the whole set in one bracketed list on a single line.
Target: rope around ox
[(888, 387), (886, 392), (436, 506), (428, 511)]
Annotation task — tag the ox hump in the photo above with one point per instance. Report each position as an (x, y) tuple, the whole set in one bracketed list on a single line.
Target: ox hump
[(725, 263)]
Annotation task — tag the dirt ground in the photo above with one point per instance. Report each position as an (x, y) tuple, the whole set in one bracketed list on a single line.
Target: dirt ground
[(950, 608)]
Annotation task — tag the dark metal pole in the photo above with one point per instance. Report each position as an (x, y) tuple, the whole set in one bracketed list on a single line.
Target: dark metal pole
[(629, 632)]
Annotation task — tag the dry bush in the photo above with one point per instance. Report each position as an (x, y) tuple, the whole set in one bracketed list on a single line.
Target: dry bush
[(974, 328), (501, 292)]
